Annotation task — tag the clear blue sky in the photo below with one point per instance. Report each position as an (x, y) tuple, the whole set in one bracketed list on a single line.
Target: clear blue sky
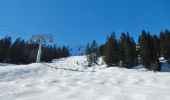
[(75, 22)]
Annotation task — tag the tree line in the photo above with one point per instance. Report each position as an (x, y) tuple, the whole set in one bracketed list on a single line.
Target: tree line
[(127, 53), (23, 52)]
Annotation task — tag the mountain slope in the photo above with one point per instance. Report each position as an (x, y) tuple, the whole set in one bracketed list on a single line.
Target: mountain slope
[(70, 79)]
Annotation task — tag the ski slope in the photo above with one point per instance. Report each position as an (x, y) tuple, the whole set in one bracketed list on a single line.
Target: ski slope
[(70, 79)]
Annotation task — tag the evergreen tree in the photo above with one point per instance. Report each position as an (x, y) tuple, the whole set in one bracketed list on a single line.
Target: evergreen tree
[(128, 49), (111, 51), (28, 53), (92, 53), (17, 51), (156, 41), (5, 46), (165, 44), (59, 52), (101, 50), (148, 52), (123, 45), (32, 52), (55, 52), (88, 55), (47, 54), (65, 51), (95, 52)]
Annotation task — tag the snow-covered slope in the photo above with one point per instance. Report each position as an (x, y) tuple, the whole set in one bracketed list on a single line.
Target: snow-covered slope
[(70, 79)]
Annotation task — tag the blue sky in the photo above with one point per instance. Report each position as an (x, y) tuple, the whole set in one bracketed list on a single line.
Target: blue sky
[(76, 22)]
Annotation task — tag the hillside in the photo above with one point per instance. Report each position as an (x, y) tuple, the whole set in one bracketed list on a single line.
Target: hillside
[(70, 79)]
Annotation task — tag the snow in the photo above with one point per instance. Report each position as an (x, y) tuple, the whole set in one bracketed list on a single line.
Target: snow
[(70, 79)]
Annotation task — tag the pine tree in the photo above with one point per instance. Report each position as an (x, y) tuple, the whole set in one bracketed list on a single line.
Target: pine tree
[(55, 52), (65, 51), (123, 39), (28, 50), (148, 52), (32, 52), (5, 46), (92, 53), (88, 55), (156, 41), (17, 51), (128, 49), (111, 51), (59, 52), (165, 44), (101, 50)]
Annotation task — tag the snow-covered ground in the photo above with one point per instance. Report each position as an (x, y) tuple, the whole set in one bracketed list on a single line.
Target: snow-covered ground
[(70, 79)]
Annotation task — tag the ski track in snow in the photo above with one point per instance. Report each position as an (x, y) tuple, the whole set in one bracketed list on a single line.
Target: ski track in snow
[(67, 79)]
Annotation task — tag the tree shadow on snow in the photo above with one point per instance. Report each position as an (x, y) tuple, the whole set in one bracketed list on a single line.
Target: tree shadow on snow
[(69, 69)]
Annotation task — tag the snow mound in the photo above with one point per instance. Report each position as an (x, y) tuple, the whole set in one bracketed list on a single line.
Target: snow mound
[(70, 79)]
